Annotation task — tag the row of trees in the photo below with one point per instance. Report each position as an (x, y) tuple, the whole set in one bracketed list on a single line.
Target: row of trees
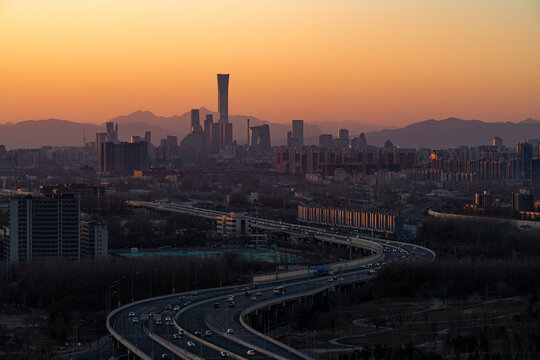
[(478, 238)]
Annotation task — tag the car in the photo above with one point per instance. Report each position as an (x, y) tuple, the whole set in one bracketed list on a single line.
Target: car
[(331, 280), (198, 333), (253, 298), (164, 356), (250, 352), (230, 331), (258, 293), (176, 336), (187, 303), (230, 298), (151, 314), (191, 343), (169, 323), (176, 308), (230, 304), (182, 298), (224, 354), (245, 289), (195, 293), (131, 314), (168, 307), (135, 319), (181, 332), (158, 321), (216, 305), (168, 318), (208, 333), (247, 293)]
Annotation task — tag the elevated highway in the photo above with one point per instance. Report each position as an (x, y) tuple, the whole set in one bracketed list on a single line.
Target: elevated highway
[(208, 310)]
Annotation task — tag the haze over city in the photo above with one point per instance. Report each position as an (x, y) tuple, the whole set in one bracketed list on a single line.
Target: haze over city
[(387, 63)]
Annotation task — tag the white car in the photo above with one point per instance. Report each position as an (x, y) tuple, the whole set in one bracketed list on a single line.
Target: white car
[(158, 321), (230, 331), (176, 308), (135, 319), (191, 343), (251, 352), (131, 314)]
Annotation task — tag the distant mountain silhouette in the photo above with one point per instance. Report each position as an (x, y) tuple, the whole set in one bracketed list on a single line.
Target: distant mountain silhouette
[(55, 132), (453, 132)]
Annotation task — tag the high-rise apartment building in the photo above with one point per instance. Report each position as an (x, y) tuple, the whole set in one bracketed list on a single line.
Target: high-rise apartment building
[(535, 172), (94, 239), (44, 227), (525, 153), (523, 200), (497, 141)]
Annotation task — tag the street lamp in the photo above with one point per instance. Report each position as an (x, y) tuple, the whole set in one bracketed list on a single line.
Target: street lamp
[(74, 336), (151, 271), (132, 280)]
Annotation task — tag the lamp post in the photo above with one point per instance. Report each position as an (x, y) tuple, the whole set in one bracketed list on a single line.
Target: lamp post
[(151, 271), (132, 280), (74, 333)]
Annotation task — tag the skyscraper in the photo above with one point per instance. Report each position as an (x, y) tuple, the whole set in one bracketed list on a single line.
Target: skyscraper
[(296, 136), (325, 140), (298, 131), (259, 138), (497, 141), (223, 98), (226, 132), (343, 138), (195, 122)]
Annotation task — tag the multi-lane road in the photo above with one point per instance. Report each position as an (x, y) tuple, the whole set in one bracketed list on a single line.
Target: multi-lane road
[(201, 323)]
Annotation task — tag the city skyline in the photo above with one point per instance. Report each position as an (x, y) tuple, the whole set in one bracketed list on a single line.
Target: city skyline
[(387, 63)]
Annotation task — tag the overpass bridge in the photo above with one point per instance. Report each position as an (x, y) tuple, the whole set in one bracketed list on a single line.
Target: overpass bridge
[(208, 310)]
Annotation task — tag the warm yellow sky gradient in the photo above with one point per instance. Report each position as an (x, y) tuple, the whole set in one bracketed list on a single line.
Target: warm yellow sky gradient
[(390, 62)]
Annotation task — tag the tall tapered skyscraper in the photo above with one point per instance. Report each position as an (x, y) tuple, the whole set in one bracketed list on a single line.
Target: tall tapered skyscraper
[(226, 135), (223, 98)]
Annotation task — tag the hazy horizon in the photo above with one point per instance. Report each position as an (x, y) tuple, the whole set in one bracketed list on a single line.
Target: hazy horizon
[(388, 63), (280, 122)]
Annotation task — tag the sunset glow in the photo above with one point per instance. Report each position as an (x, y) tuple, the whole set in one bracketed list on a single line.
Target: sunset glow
[(389, 62)]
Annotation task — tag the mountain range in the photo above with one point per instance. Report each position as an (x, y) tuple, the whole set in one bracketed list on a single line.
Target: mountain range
[(433, 134), (453, 132)]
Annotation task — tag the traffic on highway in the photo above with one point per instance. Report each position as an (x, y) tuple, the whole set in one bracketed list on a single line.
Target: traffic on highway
[(213, 323)]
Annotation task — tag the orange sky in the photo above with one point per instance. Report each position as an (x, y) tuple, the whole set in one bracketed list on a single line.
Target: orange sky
[(389, 62)]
